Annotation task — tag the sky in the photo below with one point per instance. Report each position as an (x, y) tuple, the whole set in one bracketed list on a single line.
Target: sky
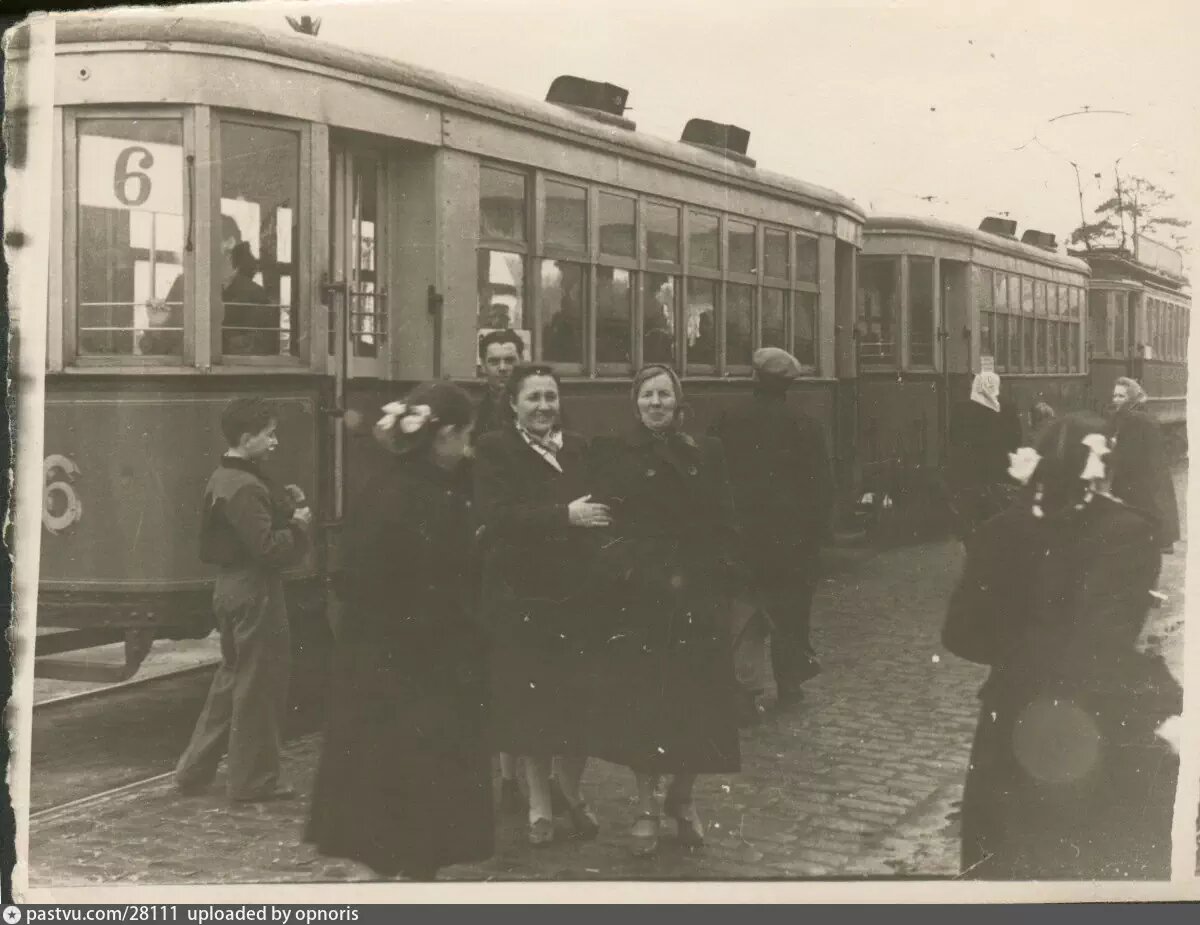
[(940, 109)]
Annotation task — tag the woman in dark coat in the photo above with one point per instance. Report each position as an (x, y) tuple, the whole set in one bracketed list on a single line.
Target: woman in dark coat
[(531, 493), (1138, 465), (1069, 775), (664, 691), (982, 434), (404, 780)]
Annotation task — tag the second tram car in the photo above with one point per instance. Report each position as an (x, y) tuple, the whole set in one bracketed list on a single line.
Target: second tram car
[(239, 211)]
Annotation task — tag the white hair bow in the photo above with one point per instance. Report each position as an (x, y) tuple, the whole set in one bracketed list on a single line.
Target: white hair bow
[(411, 418), (1022, 463)]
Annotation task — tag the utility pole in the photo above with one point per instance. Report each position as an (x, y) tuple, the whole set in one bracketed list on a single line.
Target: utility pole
[(1121, 204), (1087, 243)]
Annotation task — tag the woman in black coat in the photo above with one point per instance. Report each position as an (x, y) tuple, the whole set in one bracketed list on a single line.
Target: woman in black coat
[(983, 431), (1069, 776), (404, 780), (531, 493), (664, 693), (1138, 465)]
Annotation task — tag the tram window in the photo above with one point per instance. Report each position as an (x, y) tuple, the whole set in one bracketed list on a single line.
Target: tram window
[(920, 311), (1064, 337), (774, 333), (662, 232), (1026, 295), (1014, 343), (775, 253), (566, 216), (701, 330), (1043, 352), (367, 326), (1051, 299), (804, 329), (501, 205), (501, 281), (659, 311), (878, 303), (1051, 350), (1027, 359), (1119, 328), (562, 311), (806, 259), (260, 189), (1000, 342), (617, 238), (1039, 297), (739, 324), (987, 346), (130, 282), (704, 241), (742, 255), (1073, 349), (1098, 321), (1000, 292), (614, 316)]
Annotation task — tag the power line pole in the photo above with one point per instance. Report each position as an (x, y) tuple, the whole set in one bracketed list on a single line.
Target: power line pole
[(1121, 204)]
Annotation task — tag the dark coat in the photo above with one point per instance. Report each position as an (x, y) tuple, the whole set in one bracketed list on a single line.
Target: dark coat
[(977, 464), (404, 780), (535, 566), (1139, 472), (494, 413), (1067, 777), (663, 689), (781, 481)]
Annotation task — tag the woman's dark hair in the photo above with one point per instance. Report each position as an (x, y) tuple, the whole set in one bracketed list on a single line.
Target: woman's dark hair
[(523, 371), (245, 416), (502, 336), (1064, 455), (449, 405)]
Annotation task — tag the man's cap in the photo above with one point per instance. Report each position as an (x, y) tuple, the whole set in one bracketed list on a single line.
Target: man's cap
[(773, 363)]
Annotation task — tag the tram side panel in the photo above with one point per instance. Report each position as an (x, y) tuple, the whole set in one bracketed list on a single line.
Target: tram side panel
[(125, 474)]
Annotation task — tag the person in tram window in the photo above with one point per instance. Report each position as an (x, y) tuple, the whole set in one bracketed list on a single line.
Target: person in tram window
[(532, 501), (251, 534), (783, 493), (1140, 474), (664, 696), (983, 431), (1073, 769), (251, 324), (404, 782), (165, 335)]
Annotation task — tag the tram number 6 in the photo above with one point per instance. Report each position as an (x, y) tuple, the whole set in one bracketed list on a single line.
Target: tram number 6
[(122, 175), (59, 472)]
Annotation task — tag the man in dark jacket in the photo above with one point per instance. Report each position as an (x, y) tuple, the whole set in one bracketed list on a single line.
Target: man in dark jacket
[(783, 491), (251, 537), (499, 352)]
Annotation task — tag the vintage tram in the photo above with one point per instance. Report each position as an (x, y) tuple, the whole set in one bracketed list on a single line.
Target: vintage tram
[(1139, 310), (938, 302), (237, 211)]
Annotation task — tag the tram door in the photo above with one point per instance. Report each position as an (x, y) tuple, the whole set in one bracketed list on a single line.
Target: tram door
[(356, 299)]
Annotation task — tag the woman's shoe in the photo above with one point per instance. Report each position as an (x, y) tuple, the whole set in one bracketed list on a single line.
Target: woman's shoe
[(690, 830), (645, 841), (541, 832), (585, 823)]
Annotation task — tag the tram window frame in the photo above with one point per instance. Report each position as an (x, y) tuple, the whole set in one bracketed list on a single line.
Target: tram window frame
[(301, 285), (629, 263), (910, 321), (890, 311), (749, 279), (70, 249), (522, 248), (543, 252), (804, 286)]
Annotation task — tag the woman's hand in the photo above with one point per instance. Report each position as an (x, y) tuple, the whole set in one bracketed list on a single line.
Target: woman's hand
[(584, 512)]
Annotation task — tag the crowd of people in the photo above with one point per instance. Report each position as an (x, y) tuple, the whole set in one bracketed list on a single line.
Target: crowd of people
[(513, 587)]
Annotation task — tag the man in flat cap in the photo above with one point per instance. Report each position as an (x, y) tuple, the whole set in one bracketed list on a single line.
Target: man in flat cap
[(782, 486)]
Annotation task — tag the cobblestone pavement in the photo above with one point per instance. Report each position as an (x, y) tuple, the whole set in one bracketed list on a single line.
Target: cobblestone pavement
[(860, 779)]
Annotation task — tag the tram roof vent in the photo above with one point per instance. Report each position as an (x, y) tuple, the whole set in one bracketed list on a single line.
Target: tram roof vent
[(1005, 227), (600, 101), (727, 140), (1043, 239)]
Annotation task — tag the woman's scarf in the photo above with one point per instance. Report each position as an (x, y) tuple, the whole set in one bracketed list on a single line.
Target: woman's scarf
[(985, 390)]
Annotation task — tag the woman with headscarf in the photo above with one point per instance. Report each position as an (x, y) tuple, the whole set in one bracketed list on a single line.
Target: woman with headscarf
[(1140, 475), (531, 492), (1071, 774), (982, 434), (665, 698), (404, 779)]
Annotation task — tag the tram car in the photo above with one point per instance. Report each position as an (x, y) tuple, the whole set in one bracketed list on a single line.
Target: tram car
[(938, 303), (1139, 310), (241, 212)]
